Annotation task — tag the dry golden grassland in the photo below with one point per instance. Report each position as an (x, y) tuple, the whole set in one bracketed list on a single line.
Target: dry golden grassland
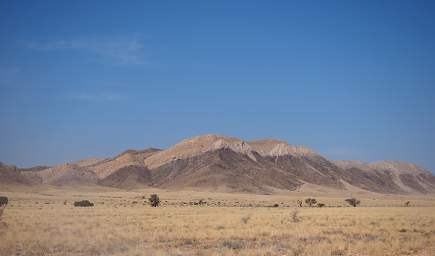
[(46, 223)]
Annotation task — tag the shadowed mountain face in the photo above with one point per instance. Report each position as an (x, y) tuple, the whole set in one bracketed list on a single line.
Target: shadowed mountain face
[(309, 169), (226, 164), (130, 176), (223, 170)]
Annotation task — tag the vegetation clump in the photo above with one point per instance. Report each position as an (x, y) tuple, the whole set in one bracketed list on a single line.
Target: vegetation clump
[(200, 202), (3, 200), (233, 245), (320, 205), (154, 200), (353, 202), (310, 201), (83, 203)]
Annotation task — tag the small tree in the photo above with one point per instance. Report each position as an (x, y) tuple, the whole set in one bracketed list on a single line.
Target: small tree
[(353, 201), (407, 203), (154, 200), (310, 201)]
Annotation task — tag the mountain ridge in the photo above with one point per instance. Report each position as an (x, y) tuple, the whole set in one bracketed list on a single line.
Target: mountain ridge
[(229, 164)]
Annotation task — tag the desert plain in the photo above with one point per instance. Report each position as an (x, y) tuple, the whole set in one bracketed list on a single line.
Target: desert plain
[(43, 221)]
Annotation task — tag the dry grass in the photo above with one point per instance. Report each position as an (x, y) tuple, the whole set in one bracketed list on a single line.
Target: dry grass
[(40, 224)]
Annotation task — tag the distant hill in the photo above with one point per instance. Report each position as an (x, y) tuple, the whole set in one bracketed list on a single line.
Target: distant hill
[(227, 164), (388, 176), (10, 174)]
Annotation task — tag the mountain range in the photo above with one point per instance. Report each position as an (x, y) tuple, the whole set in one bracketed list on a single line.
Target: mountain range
[(227, 164)]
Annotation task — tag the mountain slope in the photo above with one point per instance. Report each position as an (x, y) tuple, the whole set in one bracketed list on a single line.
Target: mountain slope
[(124, 170), (299, 161), (196, 146), (69, 173), (107, 167)]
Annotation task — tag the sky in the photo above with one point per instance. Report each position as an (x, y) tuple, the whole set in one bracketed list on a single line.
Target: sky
[(350, 79)]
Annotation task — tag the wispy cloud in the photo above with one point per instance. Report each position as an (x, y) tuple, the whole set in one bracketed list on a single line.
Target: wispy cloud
[(117, 51), (96, 97)]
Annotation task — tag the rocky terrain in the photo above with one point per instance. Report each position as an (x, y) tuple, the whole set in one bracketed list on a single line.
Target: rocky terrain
[(227, 164)]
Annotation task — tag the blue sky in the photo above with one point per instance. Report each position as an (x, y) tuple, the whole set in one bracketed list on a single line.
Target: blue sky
[(351, 79)]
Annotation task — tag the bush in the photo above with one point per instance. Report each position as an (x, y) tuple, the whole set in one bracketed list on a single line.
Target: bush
[(320, 205), (3, 200), (154, 200), (275, 205), (407, 203), (310, 201), (83, 203), (353, 201)]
